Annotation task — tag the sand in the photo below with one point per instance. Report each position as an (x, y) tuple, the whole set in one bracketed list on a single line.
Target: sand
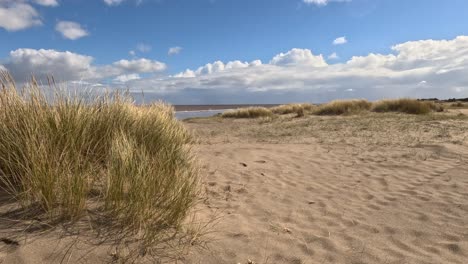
[(379, 188)]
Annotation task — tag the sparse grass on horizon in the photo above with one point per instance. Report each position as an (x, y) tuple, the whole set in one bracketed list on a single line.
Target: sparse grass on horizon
[(340, 107), (55, 153), (249, 112)]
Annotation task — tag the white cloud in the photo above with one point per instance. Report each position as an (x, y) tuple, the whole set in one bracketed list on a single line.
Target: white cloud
[(132, 53), (340, 41), (298, 57), (64, 65), (69, 66), (141, 47), (140, 65), (46, 2), (216, 67), (333, 56), (18, 15), (127, 77), (323, 2), (174, 50), (71, 30), (113, 2)]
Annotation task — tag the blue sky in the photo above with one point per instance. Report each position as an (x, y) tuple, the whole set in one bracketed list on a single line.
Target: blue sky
[(127, 43)]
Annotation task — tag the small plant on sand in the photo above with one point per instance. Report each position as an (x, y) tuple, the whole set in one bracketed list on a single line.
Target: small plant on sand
[(343, 107), (249, 112), (58, 150), (409, 106)]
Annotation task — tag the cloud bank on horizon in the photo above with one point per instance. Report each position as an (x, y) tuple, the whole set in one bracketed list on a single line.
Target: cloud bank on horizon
[(435, 68)]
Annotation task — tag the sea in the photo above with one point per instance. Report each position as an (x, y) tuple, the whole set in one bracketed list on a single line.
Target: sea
[(191, 111), (181, 115)]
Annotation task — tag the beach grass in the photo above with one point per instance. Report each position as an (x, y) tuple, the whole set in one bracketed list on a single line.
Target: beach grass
[(343, 107), (248, 112), (58, 150), (408, 106), (298, 109)]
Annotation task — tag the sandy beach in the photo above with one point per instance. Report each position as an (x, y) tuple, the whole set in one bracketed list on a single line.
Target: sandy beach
[(374, 189), (371, 188)]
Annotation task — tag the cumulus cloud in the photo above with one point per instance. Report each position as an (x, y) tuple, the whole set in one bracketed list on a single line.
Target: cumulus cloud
[(69, 66), (174, 50), (71, 30), (216, 67), (46, 2), (340, 41), (323, 2), (18, 15), (298, 57)]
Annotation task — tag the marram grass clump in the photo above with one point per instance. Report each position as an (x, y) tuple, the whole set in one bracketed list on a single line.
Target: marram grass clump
[(59, 150), (408, 106), (248, 112), (298, 109), (343, 107)]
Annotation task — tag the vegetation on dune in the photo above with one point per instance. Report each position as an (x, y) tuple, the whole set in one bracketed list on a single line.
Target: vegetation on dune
[(409, 106), (343, 107), (458, 105), (249, 112), (57, 151), (298, 109)]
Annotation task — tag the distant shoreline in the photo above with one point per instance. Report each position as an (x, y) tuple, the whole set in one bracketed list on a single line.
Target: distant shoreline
[(208, 107)]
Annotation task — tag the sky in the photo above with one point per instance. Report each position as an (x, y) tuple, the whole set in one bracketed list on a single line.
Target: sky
[(242, 51)]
